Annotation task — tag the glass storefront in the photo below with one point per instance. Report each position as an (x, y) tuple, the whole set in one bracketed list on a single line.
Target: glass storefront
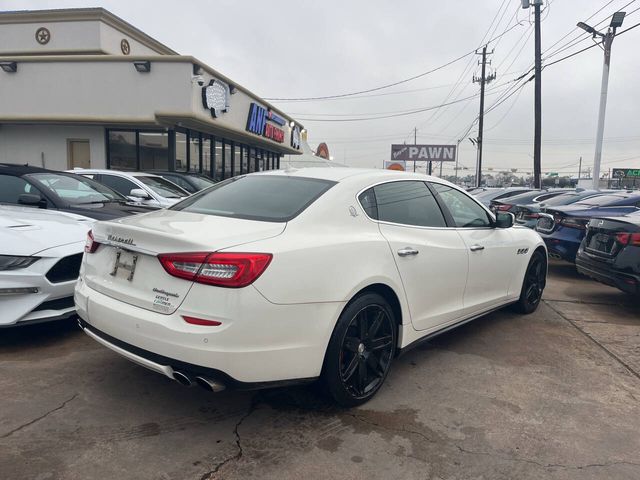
[(154, 150), (122, 150), (191, 151)]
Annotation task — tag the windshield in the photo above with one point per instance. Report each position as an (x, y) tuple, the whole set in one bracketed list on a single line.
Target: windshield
[(601, 200), (163, 187), (75, 189), (269, 198)]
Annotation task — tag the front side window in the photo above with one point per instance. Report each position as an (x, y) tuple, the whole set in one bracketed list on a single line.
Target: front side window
[(465, 211), (12, 187), (407, 203), (119, 184), (75, 189), (269, 198)]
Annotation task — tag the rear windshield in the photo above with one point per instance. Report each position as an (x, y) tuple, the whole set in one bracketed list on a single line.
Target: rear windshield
[(268, 198), (602, 200)]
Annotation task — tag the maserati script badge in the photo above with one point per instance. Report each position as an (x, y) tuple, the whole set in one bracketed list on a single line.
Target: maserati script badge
[(130, 267)]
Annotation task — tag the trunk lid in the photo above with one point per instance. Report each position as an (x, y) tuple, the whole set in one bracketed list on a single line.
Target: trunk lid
[(125, 265), (601, 239)]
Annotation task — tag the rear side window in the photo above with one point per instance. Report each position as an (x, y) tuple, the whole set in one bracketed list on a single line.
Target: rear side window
[(406, 203), (268, 198)]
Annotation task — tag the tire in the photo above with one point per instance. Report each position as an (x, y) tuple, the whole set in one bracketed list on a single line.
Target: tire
[(533, 284), (360, 351)]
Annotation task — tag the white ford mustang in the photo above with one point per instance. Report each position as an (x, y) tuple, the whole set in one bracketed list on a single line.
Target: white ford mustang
[(40, 255), (288, 276)]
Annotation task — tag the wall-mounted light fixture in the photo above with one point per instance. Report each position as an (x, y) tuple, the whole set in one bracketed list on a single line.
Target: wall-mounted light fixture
[(143, 66), (9, 67)]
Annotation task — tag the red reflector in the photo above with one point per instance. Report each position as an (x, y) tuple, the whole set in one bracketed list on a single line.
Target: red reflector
[(200, 321), (90, 245)]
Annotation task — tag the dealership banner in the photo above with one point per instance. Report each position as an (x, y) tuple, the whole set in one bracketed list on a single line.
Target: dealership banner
[(626, 173), (424, 153)]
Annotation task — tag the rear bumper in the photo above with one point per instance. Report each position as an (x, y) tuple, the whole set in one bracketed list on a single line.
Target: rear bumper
[(563, 246), (603, 273), (258, 342)]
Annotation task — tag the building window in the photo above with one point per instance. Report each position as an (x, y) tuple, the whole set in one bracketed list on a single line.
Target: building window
[(122, 150), (238, 160), (181, 152), (153, 149), (227, 160), (206, 155), (194, 152), (218, 154)]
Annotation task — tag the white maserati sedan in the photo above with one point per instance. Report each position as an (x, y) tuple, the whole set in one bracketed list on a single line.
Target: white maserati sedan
[(40, 256), (297, 275)]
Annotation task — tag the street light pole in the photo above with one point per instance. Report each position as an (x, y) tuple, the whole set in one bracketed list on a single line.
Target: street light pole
[(537, 132), (597, 159), (607, 41)]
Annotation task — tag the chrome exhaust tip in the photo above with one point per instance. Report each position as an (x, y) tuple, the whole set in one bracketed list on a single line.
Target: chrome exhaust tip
[(182, 379), (211, 385)]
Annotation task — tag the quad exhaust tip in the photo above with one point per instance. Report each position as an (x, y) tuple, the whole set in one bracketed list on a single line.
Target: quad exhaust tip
[(209, 384)]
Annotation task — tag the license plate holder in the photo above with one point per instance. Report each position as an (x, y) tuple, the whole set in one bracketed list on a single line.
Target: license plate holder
[(124, 260)]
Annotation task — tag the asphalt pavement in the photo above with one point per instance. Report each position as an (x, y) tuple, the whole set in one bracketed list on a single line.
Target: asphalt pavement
[(552, 395)]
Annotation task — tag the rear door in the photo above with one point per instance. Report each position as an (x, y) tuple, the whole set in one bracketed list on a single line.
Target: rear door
[(492, 254), (431, 259)]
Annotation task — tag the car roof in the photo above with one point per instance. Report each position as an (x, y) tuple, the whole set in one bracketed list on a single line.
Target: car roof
[(116, 172), (19, 170), (360, 174)]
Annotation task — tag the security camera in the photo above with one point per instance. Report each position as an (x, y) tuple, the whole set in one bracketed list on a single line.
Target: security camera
[(199, 79)]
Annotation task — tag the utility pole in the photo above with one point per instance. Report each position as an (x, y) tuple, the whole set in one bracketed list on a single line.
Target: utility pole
[(415, 142), (580, 168), (537, 131), (484, 79), (537, 102), (607, 40)]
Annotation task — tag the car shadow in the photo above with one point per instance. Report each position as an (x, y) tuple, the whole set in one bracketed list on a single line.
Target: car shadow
[(38, 334)]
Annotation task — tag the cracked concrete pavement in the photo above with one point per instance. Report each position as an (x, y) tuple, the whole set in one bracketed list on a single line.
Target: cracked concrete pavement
[(552, 395)]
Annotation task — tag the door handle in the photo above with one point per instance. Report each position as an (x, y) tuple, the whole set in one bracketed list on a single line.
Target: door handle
[(475, 248), (406, 251)]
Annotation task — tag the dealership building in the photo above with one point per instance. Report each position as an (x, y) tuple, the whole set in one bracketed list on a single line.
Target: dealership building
[(84, 88)]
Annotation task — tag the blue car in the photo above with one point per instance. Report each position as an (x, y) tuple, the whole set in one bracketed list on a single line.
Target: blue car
[(563, 228)]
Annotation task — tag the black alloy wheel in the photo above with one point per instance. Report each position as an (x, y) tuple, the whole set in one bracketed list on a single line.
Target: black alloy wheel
[(360, 350), (533, 284)]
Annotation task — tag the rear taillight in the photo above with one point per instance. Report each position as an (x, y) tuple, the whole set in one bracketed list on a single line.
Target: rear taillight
[(572, 222), (503, 207), (628, 239), (531, 216), (90, 245), (233, 270)]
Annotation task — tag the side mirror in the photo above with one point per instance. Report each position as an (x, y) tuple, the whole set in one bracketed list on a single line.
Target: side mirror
[(504, 220), (139, 193), (32, 199)]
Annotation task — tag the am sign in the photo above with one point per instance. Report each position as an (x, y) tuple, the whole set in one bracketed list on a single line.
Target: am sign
[(431, 153)]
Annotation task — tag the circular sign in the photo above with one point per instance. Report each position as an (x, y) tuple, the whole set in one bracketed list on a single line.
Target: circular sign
[(43, 35), (125, 47)]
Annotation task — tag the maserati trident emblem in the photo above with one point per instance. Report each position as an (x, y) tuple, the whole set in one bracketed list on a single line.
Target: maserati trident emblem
[(600, 223), (130, 267)]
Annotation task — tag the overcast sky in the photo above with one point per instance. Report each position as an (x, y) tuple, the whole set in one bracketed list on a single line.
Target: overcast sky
[(291, 49)]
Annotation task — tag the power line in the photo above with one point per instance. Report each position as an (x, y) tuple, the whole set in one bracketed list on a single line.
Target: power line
[(399, 82)]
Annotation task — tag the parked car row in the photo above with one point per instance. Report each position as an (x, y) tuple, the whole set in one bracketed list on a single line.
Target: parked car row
[(597, 229)]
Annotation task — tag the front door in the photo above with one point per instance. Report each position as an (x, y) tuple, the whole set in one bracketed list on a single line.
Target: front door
[(491, 252), (431, 259), (79, 154)]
